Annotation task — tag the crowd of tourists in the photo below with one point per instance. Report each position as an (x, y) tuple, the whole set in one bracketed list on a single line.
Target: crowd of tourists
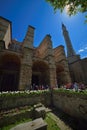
[(74, 86), (37, 87)]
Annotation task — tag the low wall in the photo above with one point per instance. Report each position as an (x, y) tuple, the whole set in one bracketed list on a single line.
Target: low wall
[(15, 117), (10, 101), (74, 104)]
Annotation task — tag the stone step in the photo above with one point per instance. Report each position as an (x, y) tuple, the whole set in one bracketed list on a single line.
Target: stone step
[(37, 124)]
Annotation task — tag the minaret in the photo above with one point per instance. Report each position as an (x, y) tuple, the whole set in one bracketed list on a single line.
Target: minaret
[(70, 50), (71, 55)]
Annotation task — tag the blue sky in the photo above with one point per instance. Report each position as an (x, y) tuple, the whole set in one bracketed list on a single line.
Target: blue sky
[(40, 14)]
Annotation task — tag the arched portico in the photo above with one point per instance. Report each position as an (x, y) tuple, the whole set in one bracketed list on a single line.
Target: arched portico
[(9, 72), (60, 74), (40, 73)]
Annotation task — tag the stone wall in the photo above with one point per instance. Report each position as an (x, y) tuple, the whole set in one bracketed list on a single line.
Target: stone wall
[(77, 72), (45, 48), (84, 67), (12, 101), (5, 31), (61, 65), (74, 105)]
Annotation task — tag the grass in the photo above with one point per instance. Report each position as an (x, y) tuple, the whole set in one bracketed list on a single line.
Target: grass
[(16, 123), (51, 124)]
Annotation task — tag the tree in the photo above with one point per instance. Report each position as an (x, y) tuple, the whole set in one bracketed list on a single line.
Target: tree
[(73, 6)]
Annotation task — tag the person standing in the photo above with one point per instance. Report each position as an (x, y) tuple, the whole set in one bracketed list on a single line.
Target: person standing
[(76, 86)]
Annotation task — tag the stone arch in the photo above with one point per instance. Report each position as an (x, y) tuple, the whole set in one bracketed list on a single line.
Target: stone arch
[(40, 73), (60, 74), (9, 69)]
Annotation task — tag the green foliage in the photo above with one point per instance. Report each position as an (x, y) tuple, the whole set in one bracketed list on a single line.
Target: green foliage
[(22, 93), (71, 92), (51, 123), (73, 6)]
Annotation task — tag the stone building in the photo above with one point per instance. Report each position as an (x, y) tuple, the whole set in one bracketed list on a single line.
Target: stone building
[(21, 64), (77, 66)]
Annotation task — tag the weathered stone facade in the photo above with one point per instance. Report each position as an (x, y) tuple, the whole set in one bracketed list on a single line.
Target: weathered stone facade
[(21, 64), (78, 71)]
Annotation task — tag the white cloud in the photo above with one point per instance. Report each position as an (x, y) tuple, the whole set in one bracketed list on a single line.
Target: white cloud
[(81, 50)]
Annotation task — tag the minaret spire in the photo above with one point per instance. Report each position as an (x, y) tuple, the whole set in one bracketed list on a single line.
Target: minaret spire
[(70, 50)]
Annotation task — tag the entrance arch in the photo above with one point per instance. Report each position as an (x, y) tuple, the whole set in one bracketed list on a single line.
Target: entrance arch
[(40, 73), (9, 69), (60, 75)]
